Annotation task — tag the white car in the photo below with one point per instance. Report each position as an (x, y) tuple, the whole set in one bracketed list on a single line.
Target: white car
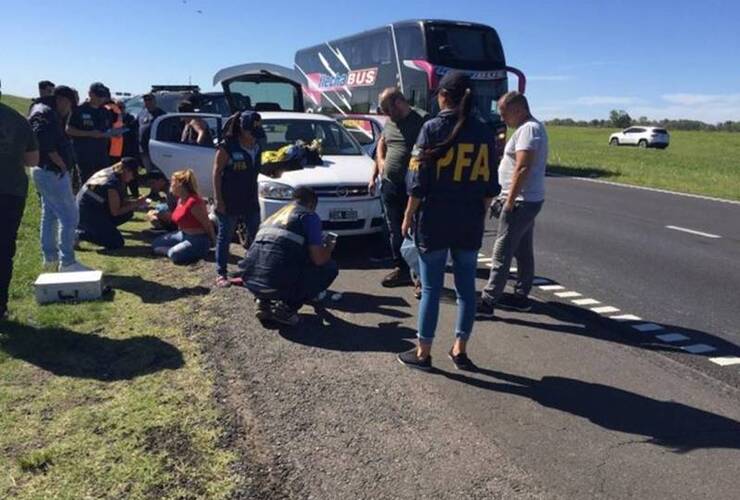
[(644, 137), (341, 182)]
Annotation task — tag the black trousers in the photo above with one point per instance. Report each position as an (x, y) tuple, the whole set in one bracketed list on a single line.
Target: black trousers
[(394, 202), (11, 213)]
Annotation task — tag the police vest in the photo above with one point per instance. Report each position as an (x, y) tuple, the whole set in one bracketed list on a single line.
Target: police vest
[(95, 190), (279, 254), (239, 181)]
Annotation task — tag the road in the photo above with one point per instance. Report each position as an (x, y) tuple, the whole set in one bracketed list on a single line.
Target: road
[(566, 404)]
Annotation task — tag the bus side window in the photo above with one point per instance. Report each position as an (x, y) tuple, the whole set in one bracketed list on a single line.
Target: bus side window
[(410, 42)]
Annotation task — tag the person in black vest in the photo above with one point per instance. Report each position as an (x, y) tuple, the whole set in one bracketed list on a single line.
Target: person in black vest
[(289, 264), (452, 182), (89, 125), (235, 170), (103, 205)]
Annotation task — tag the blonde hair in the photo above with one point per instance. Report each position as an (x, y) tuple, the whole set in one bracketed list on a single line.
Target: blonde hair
[(186, 178)]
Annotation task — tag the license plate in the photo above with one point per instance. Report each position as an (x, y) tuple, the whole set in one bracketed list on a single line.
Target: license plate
[(343, 215)]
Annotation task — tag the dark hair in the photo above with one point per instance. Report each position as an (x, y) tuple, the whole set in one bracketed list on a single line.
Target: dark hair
[(45, 83), (233, 127), (68, 92), (185, 107), (154, 176), (464, 104), (305, 196)]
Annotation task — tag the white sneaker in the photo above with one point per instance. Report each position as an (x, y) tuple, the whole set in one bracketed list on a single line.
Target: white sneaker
[(75, 267)]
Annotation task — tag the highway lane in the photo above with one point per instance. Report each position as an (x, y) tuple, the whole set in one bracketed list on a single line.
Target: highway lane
[(611, 243)]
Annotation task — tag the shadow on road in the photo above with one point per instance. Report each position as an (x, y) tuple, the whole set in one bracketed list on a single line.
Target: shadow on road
[(87, 355), (664, 423), (590, 172)]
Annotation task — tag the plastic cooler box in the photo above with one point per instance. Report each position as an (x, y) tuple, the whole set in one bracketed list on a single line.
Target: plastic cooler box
[(58, 287)]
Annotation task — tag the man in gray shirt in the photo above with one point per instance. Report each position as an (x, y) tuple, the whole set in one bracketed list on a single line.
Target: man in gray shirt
[(522, 177), (394, 153)]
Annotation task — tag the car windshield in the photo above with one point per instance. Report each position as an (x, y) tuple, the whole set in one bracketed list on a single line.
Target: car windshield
[(334, 138)]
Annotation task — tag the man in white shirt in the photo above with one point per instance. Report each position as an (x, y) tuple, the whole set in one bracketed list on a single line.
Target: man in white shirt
[(522, 177)]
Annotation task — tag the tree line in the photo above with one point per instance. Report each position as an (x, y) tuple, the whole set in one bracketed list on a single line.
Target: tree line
[(621, 119)]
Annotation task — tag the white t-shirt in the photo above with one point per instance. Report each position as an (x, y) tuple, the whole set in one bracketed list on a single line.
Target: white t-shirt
[(530, 136)]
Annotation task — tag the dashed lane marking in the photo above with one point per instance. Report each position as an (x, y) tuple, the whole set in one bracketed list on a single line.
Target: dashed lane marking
[(698, 348), (552, 288), (647, 327), (672, 337), (725, 360), (626, 317), (605, 309), (567, 295), (585, 302), (692, 231)]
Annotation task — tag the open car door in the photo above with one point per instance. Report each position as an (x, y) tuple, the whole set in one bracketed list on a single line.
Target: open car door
[(169, 153), (261, 87)]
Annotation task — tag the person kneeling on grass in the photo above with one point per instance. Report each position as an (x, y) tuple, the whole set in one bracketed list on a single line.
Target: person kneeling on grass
[(103, 206), (288, 265), (196, 234)]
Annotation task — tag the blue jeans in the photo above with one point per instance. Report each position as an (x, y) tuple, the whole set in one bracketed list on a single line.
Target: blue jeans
[(432, 268), (226, 226), (184, 248), (59, 216)]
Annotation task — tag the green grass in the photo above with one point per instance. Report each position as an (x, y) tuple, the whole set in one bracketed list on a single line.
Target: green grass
[(706, 163), (19, 104), (107, 399)]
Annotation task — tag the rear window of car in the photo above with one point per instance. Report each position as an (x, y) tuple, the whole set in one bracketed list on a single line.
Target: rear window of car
[(659, 131)]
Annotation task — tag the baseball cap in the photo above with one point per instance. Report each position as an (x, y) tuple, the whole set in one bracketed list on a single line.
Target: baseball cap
[(454, 82), (99, 90)]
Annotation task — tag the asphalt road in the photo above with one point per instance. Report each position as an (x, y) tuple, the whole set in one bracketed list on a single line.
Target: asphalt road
[(612, 244)]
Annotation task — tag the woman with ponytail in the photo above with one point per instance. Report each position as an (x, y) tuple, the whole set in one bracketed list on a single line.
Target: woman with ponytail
[(195, 233), (452, 181)]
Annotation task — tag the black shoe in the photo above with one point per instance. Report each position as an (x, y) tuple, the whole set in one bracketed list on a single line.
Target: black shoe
[(264, 309), (462, 362), (515, 302), (409, 359), (397, 277), (485, 309), (284, 314)]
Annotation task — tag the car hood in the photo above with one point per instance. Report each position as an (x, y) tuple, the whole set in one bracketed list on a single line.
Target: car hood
[(336, 170)]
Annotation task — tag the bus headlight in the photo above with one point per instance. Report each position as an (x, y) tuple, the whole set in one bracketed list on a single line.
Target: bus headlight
[(275, 191)]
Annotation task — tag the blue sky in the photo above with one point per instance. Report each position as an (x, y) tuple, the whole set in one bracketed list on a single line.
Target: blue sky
[(655, 58)]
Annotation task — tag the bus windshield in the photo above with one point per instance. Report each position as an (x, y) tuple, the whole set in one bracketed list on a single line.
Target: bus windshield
[(485, 99), (462, 46)]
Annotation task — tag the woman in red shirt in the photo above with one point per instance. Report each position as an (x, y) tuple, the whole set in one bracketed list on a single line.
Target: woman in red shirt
[(195, 231)]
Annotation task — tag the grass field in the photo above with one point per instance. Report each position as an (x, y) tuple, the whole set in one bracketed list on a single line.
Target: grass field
[(20, 104), (107, 399), (706, 163)]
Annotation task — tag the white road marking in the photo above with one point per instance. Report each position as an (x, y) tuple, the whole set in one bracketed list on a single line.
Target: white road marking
[(726, 360), (655, 190), (626, 317), (647, 327), (605, 309), (550, 288), (585, 302), (698, 348), (672, 337), (691, 231), (566, 295)]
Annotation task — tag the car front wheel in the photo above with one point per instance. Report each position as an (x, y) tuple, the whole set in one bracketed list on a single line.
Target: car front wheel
[(614, 141)]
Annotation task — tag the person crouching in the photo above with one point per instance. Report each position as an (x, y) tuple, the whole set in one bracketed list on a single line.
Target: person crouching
[(195, 231), (288, 265), (103, 206)]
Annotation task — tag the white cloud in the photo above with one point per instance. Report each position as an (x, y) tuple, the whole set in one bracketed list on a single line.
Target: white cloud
[(702, 99)]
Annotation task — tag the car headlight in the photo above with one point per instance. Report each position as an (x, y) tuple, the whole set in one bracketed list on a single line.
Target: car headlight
[(275, 190)]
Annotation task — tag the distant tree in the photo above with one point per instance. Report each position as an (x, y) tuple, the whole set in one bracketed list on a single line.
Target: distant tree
[(620, 118), (643, 120)]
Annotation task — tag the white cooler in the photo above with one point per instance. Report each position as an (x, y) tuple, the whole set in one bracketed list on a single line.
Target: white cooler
[(58, 287)]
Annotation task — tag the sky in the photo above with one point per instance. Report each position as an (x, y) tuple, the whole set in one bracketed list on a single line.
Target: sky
[(657, 58)]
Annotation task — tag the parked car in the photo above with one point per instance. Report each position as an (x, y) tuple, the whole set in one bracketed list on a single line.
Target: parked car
[(644, 137), (345, 205)]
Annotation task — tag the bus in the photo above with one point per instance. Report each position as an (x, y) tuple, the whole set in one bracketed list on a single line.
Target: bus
[(346, 75)]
